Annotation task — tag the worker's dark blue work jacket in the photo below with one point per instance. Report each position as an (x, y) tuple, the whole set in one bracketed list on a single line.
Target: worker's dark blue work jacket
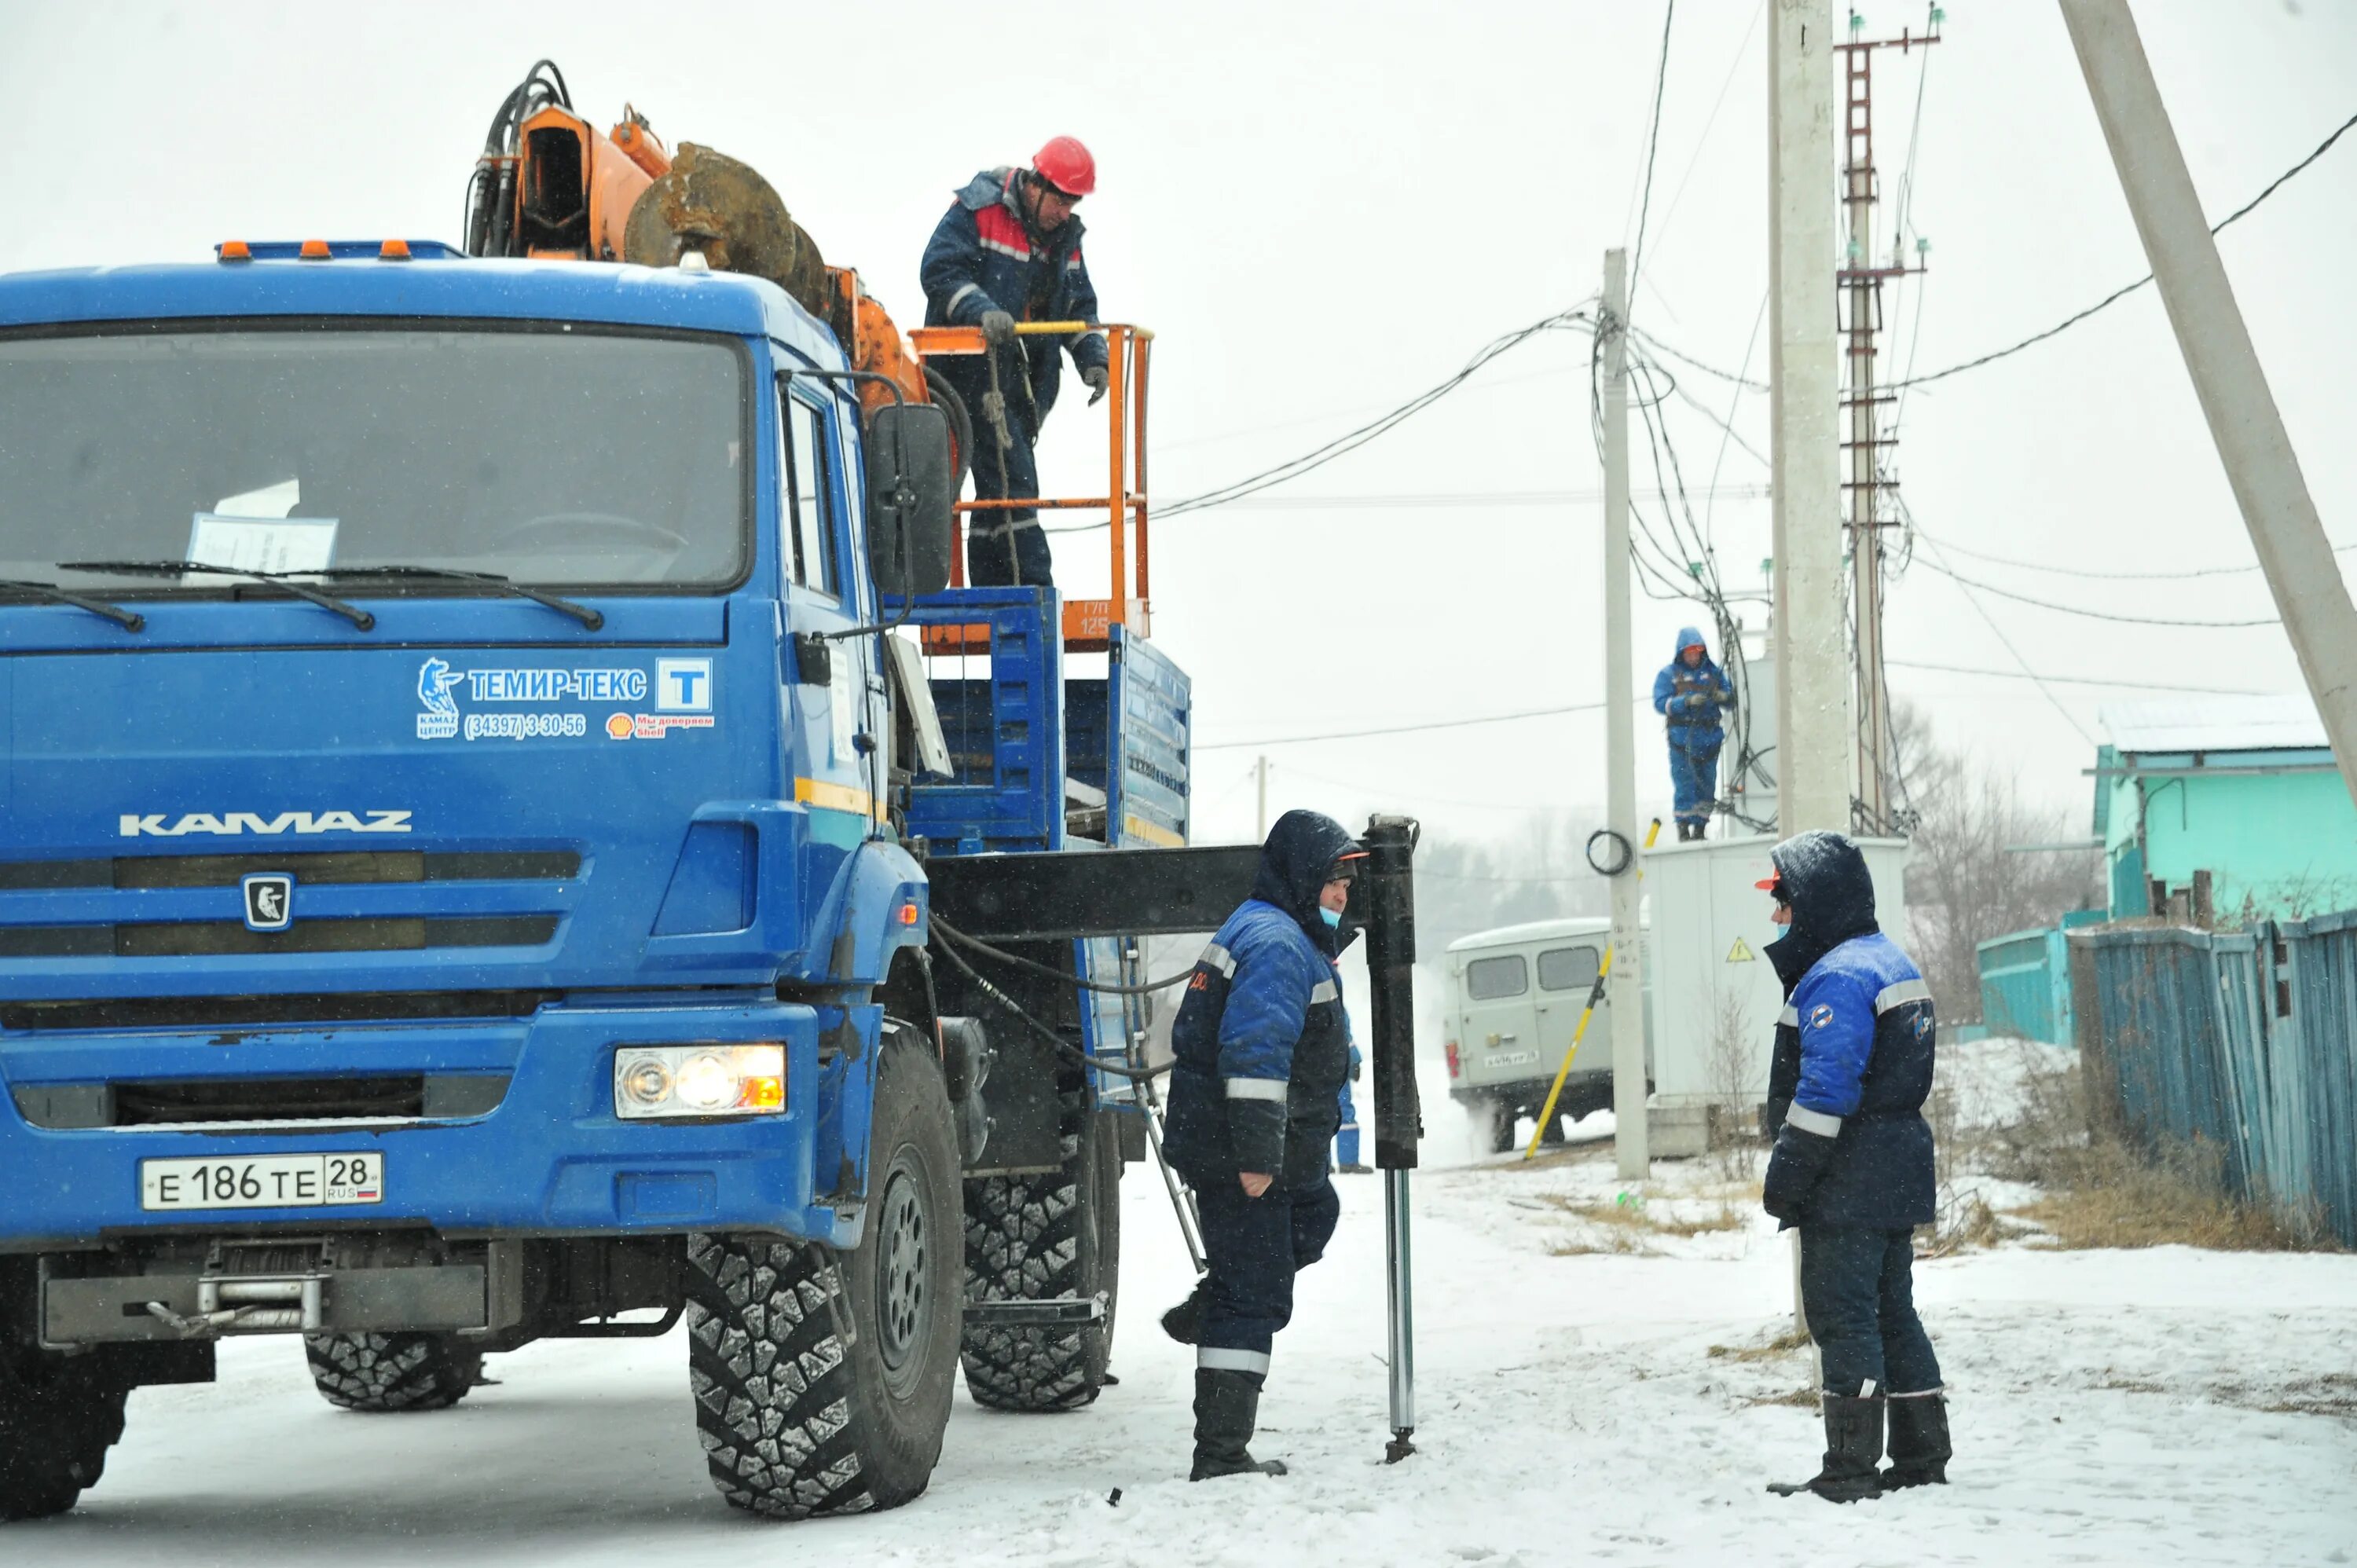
[(1853, 1059), (1262, 1039), (984, 257)]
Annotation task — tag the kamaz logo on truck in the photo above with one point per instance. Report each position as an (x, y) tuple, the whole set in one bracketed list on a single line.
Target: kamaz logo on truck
[(232, 824)]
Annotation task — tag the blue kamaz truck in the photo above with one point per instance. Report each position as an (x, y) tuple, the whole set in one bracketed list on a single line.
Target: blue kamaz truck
[(464, 845)]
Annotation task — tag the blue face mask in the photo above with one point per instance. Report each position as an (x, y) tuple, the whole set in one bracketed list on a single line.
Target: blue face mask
[(1331, 917)]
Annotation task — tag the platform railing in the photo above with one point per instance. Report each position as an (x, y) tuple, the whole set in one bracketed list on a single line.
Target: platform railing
[(1087, 623)]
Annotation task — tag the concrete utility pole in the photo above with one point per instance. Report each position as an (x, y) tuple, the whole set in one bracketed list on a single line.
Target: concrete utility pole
[(2297, 557), (1813, 735), (1260, 770), (1628, 982)]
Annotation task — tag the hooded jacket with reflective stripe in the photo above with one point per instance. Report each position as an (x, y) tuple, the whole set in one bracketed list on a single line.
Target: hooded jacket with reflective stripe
[(1854, 1049), (984, 257), (1693, 725), (1262, 1039)]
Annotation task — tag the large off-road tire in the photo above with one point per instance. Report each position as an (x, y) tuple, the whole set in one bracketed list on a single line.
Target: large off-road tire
[(57, 1421), (794, 1421), (381, 1374), (1502, 1127), (1032, 1237)]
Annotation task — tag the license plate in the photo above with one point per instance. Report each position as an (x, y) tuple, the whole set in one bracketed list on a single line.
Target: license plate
[(1513, 1058), (263, 1181)]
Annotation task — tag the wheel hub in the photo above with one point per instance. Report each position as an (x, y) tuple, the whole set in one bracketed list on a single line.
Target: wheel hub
[(903, 1268)]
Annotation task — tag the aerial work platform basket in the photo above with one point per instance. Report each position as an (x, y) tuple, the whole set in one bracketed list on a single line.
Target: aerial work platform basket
[(1088, 623)]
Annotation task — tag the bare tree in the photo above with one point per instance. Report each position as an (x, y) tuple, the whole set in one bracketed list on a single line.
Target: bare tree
[(1966, 881)]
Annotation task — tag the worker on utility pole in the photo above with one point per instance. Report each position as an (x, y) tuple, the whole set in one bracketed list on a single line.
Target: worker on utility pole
[(1690, 692), (1852, 1164), (1262, 1049), (1008, 249)]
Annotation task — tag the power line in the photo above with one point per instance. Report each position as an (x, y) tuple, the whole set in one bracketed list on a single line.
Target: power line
[(1686, 359), (1652, 145), (1573, 318), (2074, 680), (2044, 689), (2119, 293), (1402, 729), (2172, 621), (2185, 575), (1669, 214)]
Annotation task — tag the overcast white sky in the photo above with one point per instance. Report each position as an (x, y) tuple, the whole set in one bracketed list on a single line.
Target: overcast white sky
[(1325, 207)]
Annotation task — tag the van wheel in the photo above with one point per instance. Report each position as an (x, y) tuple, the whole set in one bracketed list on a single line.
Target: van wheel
[(1502, 1127), (794, 1422)]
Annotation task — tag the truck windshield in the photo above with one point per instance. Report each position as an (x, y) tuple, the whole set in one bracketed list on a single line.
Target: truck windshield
[(567, 457)]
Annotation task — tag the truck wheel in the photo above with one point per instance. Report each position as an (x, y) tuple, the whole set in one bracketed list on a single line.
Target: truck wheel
[(383, 1372), (1502, 1127), (1034, 1237), (57, 1421), (794, 1421)]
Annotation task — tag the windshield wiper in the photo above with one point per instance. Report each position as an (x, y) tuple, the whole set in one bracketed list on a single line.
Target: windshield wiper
[(590, 618), (352, 613), (125, 619)]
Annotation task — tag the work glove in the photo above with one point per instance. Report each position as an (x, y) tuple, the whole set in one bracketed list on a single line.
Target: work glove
[(1793, 1169), (997, 329), (1355, 1071), (1094, 375)]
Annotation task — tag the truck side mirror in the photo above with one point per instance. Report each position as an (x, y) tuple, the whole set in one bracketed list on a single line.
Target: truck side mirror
[(911, 498)]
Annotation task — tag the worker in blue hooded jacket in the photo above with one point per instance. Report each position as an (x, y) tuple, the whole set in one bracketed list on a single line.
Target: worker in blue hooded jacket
[(1262, 1049), (1691, 693), (1852, 1164)]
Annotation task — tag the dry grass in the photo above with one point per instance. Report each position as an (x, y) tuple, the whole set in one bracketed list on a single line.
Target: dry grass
[(2329, 1394), (1798, 1399), (1627, 1225), (2109, 1197), (2098, 1192), (1783, 1343)]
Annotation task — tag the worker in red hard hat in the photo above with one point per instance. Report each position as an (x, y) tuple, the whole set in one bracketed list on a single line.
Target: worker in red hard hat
[(1008, 250)]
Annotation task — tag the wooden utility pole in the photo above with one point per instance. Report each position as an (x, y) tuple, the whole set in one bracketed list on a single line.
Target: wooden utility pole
[(2297, 557), (1628, 984)]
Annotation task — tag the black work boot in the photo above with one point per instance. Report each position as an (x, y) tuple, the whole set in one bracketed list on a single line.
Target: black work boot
[(1918, 1441), (1853, 1448), (1226, 1406), (1185, 1321)]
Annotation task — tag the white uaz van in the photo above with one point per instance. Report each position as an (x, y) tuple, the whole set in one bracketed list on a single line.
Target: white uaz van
[(1515, 999)]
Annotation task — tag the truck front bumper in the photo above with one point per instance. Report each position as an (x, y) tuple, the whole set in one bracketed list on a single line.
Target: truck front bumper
[(527, 1145)]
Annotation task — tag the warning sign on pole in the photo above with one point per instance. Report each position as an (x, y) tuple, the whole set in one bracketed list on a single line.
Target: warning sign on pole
[(1740, 953)]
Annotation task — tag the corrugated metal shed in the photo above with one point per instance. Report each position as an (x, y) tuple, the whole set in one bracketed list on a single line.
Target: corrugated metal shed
[(2282, 723)]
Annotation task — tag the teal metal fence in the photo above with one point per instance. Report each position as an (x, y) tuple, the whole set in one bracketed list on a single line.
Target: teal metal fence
[(2025, 981), (2245, 1041)]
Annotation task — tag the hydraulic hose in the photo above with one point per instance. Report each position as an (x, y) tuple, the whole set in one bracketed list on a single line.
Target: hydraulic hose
[(1052, 972), (1052, 1035)]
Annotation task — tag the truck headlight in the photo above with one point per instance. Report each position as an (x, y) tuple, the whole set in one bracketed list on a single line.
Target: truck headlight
[(699, 1080)]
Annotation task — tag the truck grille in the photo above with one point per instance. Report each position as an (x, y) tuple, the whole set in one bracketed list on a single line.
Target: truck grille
[(264, 1102), (245, 1012), (205, 938), (152, 871)]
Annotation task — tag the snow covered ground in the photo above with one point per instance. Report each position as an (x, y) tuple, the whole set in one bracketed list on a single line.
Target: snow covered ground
[(2162, 1406)]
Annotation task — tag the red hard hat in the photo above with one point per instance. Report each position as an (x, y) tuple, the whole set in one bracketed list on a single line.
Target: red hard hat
[(1066, 164)]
